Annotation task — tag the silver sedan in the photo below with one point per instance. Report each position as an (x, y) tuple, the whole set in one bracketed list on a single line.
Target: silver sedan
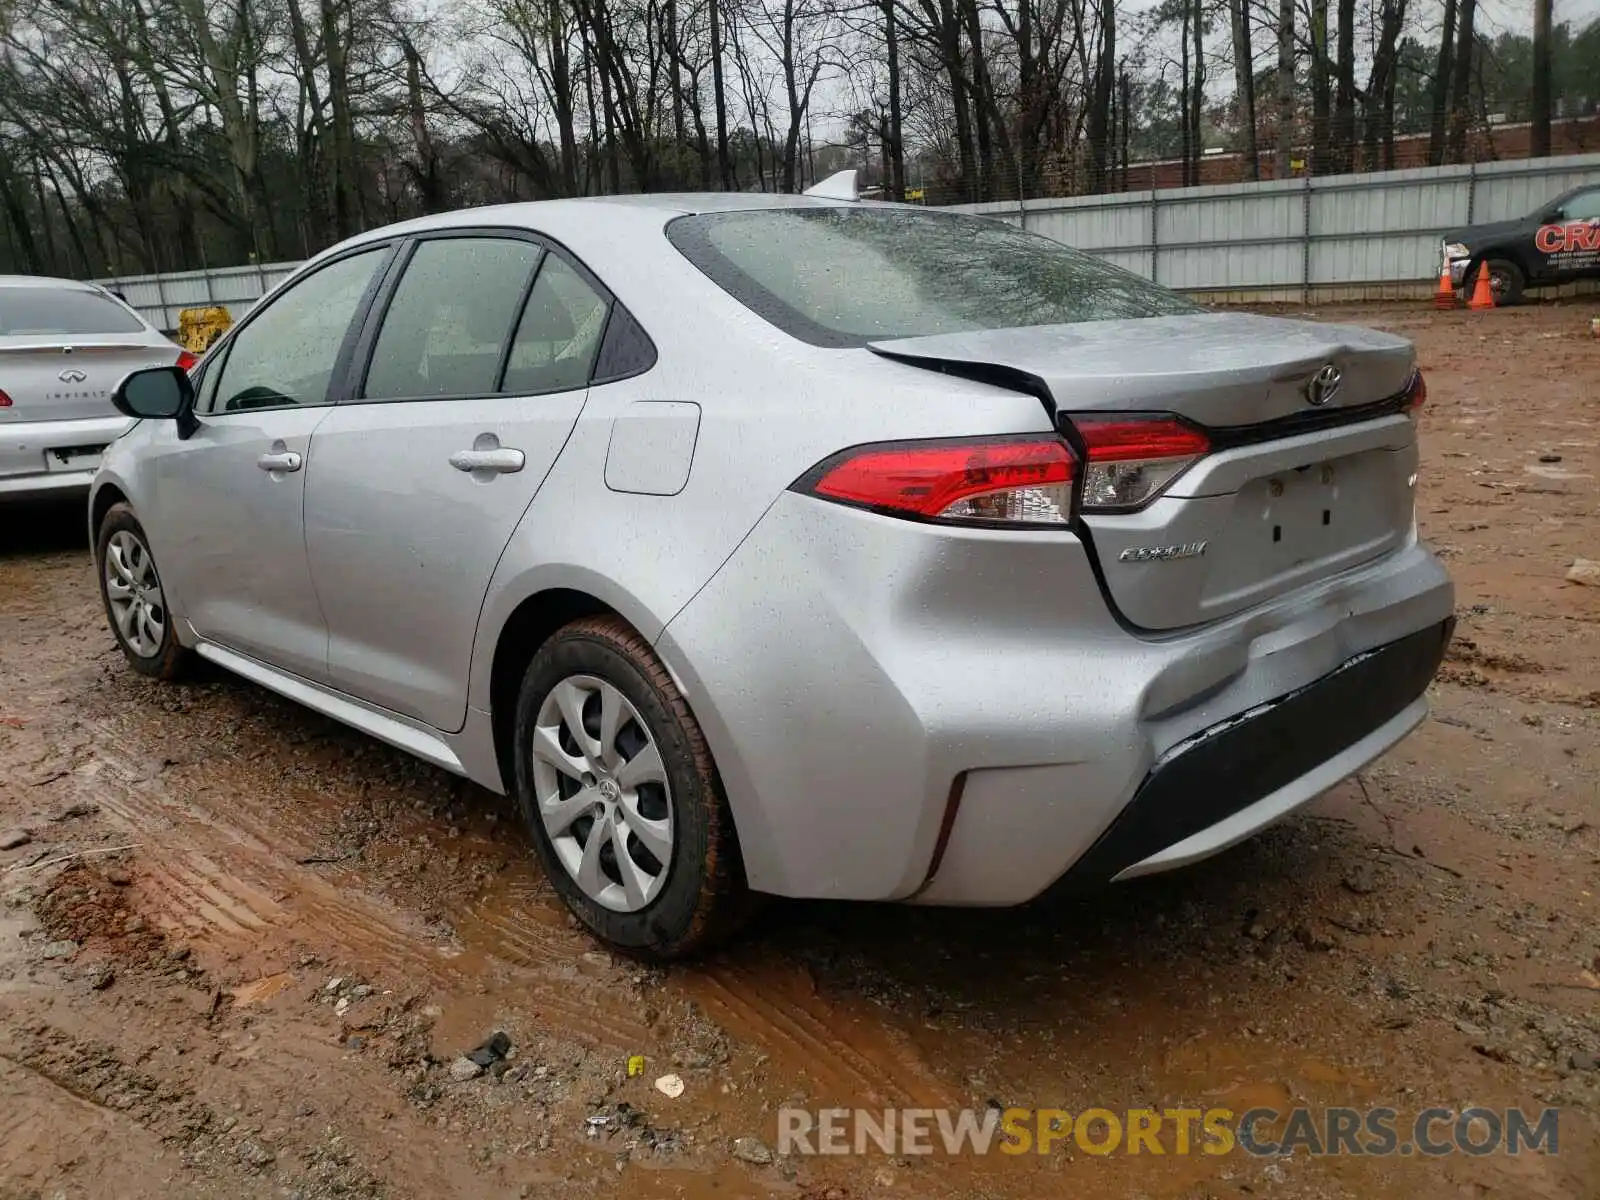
[(63, 348), (793, 545)]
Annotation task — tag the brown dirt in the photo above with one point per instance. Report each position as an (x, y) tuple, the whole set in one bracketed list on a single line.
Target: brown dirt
[(261, 992)]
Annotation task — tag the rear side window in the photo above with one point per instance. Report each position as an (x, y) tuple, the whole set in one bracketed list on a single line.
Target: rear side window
[(559, 334), (446, 328), (846, 276), (45, 310)]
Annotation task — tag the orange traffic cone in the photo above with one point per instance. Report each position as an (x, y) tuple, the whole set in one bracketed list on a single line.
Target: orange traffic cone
[(1482, 290), (1445, 297)]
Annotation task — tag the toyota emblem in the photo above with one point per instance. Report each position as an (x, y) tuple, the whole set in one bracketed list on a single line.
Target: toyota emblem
[(1324, 385)]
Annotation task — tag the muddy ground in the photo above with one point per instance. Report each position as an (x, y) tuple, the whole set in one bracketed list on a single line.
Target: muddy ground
[(242, 947)]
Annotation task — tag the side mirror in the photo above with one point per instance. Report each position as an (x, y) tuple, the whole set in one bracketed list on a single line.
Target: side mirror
[(155, 394), (1554, 217)]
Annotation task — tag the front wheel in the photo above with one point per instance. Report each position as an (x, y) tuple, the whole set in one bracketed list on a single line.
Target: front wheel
[(136, 604), (1506, 281), (621, 798)]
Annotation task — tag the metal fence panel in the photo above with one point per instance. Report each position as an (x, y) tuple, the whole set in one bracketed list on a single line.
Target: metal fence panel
[(1340, 237), (1095, 221), (1505, 192), (1190, 268), (160, 298), (1346, 236), (1140, 262)]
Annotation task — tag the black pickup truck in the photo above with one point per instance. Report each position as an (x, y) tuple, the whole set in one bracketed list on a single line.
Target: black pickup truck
[(1558, 243)]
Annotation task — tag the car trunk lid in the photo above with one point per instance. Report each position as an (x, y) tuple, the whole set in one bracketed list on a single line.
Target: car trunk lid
[(69, 376), (1311, 471), (1220, 370)]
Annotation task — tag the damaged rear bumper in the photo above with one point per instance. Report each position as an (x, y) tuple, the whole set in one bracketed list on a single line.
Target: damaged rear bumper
[(1229, 781)]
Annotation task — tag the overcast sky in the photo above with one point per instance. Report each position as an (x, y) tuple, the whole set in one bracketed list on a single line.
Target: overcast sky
[(1507, 15), (1423, 20), (1493, 15)]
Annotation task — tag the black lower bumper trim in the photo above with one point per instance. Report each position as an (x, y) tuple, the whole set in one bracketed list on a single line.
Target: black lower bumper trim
[(1230, 766)]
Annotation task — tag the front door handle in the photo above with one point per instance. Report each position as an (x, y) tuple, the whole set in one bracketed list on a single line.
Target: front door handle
[(500, 461), (280, 460)]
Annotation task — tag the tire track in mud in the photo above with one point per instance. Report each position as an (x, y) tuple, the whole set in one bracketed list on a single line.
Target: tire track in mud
[(220, 859), (53, 1136), (218, 850), (819, 1041), (218, 864), (218, 847)]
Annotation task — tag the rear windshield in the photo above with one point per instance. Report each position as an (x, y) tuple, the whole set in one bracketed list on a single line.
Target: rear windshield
[(26, 310), (838, 276)]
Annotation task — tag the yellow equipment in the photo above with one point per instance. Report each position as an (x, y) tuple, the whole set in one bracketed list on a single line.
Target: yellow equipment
[(199, 327)]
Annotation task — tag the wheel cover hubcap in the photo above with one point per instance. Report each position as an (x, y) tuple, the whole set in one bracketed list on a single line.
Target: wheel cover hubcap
[(602, 793), (133, 590)]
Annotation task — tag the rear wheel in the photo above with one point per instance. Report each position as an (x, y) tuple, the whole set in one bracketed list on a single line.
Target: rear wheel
[(136, 604), (1506, 281), (621, 798)]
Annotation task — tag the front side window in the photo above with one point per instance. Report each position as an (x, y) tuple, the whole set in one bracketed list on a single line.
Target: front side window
[(446, 328), (849, 275), (286, 355), (61, 311), (1585, 206), (210, 374)]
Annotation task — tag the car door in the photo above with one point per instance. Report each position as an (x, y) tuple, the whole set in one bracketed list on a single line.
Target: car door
[(1567, 243), (228, 502), (1583, 233), (479, 362)]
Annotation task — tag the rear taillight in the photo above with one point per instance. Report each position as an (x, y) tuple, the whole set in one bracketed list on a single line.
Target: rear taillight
[(5, 400), (187, 360), (1416, 393), (1128, 461), (989, 481), (1131, 460)]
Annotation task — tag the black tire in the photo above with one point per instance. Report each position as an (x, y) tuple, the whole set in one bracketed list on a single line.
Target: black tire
[(1506, 280), (169, 660), (704, 898)]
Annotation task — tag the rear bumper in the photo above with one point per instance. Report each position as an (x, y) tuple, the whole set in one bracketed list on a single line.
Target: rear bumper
[(26, 455), (852, 673), (49, 485), (1235, 778)]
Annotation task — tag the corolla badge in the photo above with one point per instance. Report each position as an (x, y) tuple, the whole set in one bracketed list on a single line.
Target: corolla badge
[(1324, 385), (1140, 554)]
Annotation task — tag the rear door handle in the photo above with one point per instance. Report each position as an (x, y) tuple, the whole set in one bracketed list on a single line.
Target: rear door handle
[(502, 461), (281, 460)]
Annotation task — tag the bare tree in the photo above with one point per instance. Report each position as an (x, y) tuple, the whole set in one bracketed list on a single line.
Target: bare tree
[(1461, 84), (161, 134), (1379, 105), (1244, 83), (1442, 77), (1285, 141), (1344, 97), (1539, 141)]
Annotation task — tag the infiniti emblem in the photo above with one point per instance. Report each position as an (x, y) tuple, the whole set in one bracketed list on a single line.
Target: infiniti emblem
[(1324, 385), (72, 375)]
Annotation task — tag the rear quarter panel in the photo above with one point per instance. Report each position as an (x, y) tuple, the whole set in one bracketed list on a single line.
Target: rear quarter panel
[(770, 408)]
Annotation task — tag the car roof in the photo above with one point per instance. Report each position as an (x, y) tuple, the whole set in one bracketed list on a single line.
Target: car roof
[(562, 217), (666, 203), (75, 285), (699, 202)]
